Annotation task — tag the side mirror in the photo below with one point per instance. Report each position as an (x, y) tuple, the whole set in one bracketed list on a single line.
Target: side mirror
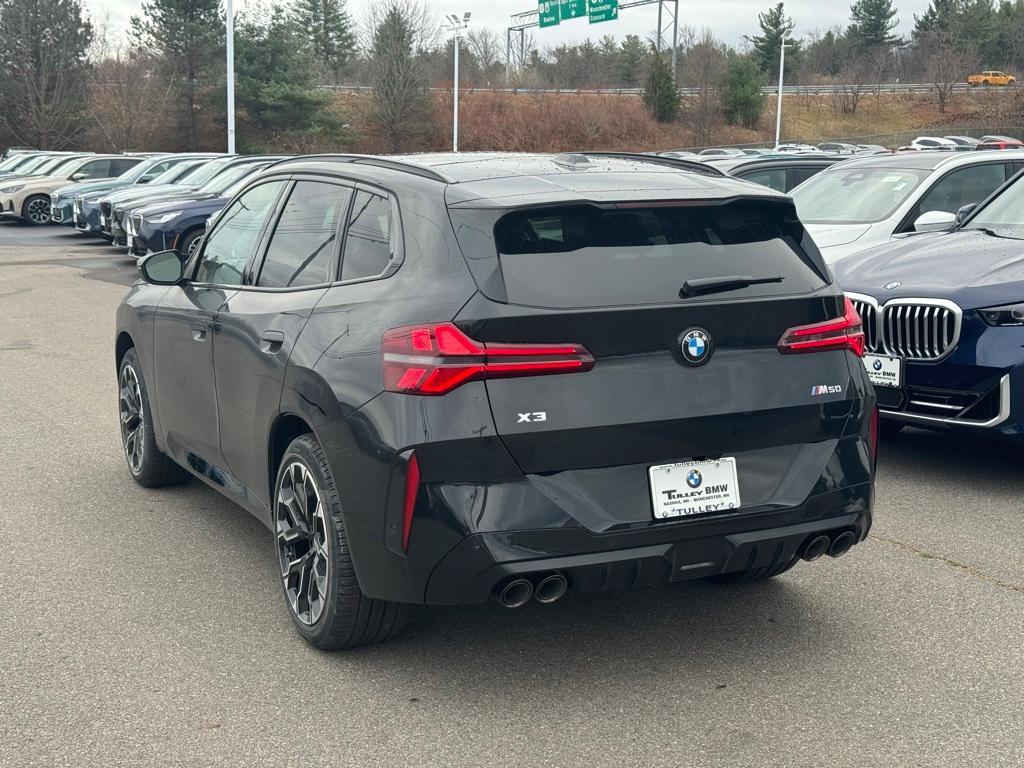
[(934, 221), (964, 211), (162, 268), (77, 176)]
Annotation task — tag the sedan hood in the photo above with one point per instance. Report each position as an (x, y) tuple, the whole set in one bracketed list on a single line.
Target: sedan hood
[(830, 235), (970, 267), (173, 200), (87, 187), (144, 190), (190, 206)]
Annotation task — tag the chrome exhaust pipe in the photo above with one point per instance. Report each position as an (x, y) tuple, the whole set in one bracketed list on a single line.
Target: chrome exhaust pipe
[(551, 588), (841, 544), (815, 548), (516, 593)]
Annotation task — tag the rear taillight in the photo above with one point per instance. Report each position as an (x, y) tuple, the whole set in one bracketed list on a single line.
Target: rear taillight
[(412, 490), (846, 332), (435, 359)]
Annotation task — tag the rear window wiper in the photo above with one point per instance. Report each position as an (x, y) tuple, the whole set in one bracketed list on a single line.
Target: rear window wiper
[(722, 284)]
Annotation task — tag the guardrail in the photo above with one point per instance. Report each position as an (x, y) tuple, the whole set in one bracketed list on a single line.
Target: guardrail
[(687, 91)]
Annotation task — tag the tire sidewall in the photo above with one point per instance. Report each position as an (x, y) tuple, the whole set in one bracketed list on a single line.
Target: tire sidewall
[(305, 449)]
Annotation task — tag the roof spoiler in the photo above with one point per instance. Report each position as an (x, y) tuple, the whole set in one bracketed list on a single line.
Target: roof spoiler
[(673, 162)]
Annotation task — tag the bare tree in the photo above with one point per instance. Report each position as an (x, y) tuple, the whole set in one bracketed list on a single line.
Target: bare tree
[(703, 70), (947, 62)]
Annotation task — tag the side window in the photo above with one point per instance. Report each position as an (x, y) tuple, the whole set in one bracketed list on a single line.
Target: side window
[(768, 177), (97, 169), (369, 242), (227, 249), (800, 175), (302, 247), (958, 188), (117, 167)]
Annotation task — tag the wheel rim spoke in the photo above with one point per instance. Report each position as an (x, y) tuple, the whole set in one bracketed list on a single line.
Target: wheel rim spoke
[(132, 421), (303, 550)]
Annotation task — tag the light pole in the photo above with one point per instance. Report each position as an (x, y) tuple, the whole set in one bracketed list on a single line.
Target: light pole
[(230, 17), (778, 99), (456, 25)]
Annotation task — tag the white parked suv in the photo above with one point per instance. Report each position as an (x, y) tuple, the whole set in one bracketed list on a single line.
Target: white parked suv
[(867, 201), (934, 142)]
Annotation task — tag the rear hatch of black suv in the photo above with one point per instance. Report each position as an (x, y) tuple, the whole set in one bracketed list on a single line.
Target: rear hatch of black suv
[(715, 375)]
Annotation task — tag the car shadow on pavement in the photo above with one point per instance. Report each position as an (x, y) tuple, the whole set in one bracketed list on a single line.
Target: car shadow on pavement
[(947, 457)]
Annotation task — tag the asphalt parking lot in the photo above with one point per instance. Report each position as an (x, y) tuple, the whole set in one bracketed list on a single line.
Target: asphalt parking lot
[(147, 627)]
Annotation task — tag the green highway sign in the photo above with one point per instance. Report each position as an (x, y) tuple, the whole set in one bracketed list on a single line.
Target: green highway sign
[(603, 10), (572, 9), (547, 12)]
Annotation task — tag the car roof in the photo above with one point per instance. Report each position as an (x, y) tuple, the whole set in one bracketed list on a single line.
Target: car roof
[(781, 162), (929, 161), (505, 178)]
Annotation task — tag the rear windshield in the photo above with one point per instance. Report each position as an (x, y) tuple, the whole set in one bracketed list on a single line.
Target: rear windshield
[(585, 256)]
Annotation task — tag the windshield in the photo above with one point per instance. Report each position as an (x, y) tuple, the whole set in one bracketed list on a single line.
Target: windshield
[(38, 162), (175, 173), (237, 187), (13, 162), (227, 178), (1004, 212), (60, 165), (206, 172), (854, 195), (136, 172), (584, 256)]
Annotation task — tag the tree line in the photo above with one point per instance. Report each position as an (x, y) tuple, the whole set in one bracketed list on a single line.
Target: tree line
[(69, 76)]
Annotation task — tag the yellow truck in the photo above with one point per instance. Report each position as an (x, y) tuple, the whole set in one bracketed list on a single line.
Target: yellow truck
[(991, 77)]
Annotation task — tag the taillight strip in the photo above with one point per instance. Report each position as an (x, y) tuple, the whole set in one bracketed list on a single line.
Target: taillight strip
[(846, 332), (412, 491)]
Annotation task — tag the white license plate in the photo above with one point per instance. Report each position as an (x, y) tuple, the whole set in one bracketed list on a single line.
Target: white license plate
[(694, 488), (884, 370)]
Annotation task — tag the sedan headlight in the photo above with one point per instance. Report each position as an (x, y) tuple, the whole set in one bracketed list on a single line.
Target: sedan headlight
[(15, 188), (1008, 314), (163, 218)]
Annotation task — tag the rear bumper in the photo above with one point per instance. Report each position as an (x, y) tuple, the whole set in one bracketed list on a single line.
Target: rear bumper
[(594, 563)]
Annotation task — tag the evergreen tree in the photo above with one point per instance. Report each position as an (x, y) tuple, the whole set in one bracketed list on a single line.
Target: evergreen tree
[(872, 23), (187, 36), (43, 46), (327, 30), (740, 94), (631, 56), (661, 97), (776, 26), (402, 106)]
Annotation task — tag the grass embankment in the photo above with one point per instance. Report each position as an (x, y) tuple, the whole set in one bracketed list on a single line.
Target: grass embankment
[(564, 122)]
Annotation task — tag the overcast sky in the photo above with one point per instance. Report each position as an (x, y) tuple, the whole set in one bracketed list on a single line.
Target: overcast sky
[(729, 19)]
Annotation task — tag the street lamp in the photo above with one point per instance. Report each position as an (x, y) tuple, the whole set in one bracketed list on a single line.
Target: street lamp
[(778, 100), (456, 25), (230, 19)]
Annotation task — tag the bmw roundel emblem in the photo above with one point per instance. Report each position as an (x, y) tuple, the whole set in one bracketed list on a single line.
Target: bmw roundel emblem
[(877, 365), (696, 347), (694, 478), (892, 286)]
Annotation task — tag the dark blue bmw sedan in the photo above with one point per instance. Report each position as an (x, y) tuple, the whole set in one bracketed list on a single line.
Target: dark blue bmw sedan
[(944, 320)]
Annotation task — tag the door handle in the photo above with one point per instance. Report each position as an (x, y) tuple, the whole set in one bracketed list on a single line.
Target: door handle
[(199, 331), (271, 341)]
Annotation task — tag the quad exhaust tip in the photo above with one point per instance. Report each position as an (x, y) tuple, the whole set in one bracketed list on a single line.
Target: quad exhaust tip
[(551, 588), (841, 544), (816, 547), (516, 593)]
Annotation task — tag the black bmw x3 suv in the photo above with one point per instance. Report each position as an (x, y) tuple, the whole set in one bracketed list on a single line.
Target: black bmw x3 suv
[(441, 378)]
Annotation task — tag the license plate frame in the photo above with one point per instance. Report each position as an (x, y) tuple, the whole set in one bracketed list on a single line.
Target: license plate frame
[(885, 370), (674, 496)]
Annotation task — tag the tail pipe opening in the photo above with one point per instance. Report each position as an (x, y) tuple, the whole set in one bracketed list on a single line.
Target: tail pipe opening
[(815, 547), (551, 588), (841, 544), (515, 593)]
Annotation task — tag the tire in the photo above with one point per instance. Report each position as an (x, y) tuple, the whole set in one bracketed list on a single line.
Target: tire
[(318, 579), (36, 210), (189, 243), (149, 466), (986, 82), (754, 574)]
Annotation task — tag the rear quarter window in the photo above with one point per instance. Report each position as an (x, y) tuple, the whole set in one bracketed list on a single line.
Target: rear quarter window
[(589, 256)]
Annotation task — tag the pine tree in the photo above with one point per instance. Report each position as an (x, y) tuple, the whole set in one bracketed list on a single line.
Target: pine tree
[(661, 97), (187, 36), (327, 29), (776, 26), (402, 106), (631, 60), (740, 94), (872, 23), (43, 46)]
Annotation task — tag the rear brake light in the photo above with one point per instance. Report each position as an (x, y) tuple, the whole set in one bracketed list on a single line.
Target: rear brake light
[(846, 332), (435, 359)]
